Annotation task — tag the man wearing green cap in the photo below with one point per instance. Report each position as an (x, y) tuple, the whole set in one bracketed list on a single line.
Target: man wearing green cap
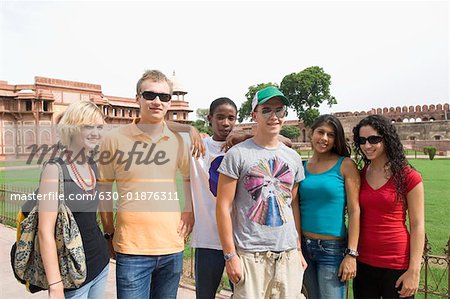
[(258, 183)]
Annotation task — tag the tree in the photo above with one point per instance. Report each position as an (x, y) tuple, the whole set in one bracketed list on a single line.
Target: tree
[(307, 90), (202, 113), (202, 124), (246, 107), (290, 132)]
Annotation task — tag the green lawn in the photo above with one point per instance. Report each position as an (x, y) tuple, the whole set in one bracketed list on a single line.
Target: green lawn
[(436, 177)]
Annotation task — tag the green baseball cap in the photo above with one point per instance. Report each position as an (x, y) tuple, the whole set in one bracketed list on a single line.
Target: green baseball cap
[(266, 94)]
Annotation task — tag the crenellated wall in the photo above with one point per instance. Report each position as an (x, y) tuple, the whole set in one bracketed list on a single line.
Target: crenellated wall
[(406, 114), (418, 126)]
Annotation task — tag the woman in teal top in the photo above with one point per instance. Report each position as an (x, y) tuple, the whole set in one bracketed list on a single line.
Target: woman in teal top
[(331, 183)]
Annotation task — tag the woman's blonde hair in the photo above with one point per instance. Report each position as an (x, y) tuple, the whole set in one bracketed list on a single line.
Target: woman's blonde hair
[(77, 114)]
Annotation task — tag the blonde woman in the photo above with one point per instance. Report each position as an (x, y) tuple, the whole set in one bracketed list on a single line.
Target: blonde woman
[(80, 130)]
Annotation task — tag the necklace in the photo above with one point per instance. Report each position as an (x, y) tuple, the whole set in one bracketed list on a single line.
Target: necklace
[(80, 179)]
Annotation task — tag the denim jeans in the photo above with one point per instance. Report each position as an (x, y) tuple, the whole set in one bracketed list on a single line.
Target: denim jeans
[(148, 276), (324, 258), (209, 265), (95, 289)]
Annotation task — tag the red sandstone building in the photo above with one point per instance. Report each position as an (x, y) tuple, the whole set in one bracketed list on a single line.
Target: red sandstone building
[(29, 111)]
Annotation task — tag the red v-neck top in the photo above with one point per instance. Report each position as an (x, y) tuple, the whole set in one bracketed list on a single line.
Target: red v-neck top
[(384, 238)]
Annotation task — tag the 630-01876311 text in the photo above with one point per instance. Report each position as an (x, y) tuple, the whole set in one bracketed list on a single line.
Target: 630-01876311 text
[(139, 196), (157, 196)]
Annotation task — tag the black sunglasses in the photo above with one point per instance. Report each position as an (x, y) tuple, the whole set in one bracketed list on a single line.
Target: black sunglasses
[(374, 139), (150, 96)]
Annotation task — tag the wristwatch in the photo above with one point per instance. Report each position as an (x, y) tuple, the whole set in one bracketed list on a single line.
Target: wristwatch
[(108, 236), (229, 256), (351, 252)]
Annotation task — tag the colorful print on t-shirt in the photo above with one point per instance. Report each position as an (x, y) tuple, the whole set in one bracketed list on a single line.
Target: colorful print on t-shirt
[(269, 183), (214, 174)]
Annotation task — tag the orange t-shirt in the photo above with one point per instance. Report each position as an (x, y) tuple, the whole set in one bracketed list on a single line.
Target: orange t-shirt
[(148, 210)]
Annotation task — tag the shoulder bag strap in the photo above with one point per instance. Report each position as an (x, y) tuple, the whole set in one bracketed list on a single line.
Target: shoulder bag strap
[(60, 183)]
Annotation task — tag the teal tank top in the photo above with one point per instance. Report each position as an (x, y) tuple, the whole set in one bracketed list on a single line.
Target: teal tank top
[(323, 201)]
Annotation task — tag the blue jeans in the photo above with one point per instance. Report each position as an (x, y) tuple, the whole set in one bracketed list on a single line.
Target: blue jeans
[(209, 265), (148, 276), (324, 258), (95, 289)]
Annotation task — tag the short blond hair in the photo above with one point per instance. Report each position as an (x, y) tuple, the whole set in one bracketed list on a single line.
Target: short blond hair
[(155, 76), (77, 114)]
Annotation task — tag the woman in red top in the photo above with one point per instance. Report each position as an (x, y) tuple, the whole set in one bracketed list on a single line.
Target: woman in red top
[(390, 256)]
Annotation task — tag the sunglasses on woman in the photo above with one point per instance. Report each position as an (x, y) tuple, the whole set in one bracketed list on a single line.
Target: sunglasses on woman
[(374, 139), (280, 112), (150, 96)]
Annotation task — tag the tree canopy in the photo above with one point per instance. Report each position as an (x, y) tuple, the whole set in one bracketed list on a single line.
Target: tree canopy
[(202, 124), (246, 108), (306, 90)]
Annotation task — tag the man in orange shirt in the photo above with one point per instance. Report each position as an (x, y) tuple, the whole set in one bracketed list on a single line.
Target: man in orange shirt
[(143, 158)]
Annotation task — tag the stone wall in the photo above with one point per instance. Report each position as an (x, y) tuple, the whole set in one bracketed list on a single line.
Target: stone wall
[(414, 135)]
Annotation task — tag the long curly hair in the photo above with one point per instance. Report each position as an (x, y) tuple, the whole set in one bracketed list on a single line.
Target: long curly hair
[(397, 162)]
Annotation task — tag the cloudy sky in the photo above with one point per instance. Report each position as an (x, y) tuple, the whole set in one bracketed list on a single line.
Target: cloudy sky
[(378, 53)]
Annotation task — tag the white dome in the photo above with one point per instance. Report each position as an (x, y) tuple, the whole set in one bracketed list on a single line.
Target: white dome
[(178, 87)]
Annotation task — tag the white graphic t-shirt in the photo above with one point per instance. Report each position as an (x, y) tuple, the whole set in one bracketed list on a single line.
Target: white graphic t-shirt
[(204, 178)]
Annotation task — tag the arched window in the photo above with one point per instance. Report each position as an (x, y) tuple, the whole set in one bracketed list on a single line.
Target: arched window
[(45, 137), (29, 138), (9, 138)]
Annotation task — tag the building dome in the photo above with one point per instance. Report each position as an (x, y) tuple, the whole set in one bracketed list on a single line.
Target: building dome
[(178, 88)]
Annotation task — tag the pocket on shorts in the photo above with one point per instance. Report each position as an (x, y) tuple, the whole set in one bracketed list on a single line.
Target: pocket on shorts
[(241, 281)]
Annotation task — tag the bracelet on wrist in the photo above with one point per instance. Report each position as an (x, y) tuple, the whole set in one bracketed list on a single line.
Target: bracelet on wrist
[(351, 252), (229, 256), (54, 283)]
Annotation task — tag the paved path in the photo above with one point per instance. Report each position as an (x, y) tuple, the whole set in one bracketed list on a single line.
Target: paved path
[(10, 288)]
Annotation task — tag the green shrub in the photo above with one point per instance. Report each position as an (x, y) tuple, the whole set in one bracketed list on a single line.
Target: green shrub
[(430, 151), (290, 132)]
